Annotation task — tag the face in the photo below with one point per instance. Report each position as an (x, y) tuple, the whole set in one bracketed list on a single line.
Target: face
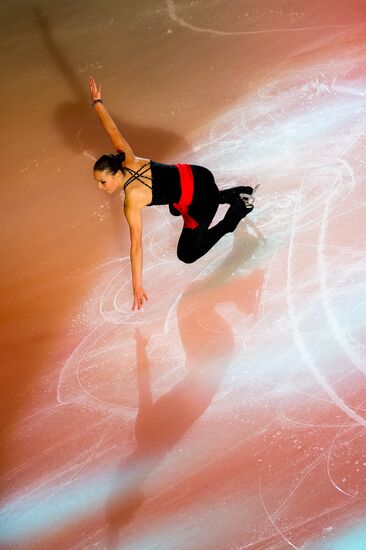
[(109, 182)]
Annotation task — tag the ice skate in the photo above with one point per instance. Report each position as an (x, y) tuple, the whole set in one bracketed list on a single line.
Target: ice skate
[(231, 195), (249, 198)]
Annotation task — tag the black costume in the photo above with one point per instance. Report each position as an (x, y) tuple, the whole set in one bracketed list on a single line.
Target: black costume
[(167, 187)]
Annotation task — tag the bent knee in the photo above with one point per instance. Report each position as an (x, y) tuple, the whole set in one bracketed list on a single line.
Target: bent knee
[(186, 254), (186, 258)]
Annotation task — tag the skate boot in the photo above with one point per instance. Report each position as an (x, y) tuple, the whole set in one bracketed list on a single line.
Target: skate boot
[(249, 198), (229, 196), (237, 211)]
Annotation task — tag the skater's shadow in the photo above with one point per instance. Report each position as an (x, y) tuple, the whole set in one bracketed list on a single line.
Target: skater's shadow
[(78, 124), (208, 342)]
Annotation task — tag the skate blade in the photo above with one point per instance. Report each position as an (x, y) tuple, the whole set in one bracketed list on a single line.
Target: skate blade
[(249, 199)]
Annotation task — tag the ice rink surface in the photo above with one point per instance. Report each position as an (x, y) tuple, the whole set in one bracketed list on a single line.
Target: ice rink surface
[(229, 413)]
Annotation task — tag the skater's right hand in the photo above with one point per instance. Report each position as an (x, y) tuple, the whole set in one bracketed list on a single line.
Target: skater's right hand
[(95, 93)]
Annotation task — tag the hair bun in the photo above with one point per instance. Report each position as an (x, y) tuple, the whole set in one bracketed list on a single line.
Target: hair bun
[(120, 157)]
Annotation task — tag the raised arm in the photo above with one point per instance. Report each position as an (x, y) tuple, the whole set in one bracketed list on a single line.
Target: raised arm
[(132, 208), (120, 144)]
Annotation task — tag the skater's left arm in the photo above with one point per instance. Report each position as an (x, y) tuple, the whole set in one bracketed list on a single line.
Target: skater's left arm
[(119, 143), (132, 209)]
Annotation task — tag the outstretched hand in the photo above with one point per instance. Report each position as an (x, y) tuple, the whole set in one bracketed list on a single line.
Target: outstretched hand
[(139, 296), (95, 93)]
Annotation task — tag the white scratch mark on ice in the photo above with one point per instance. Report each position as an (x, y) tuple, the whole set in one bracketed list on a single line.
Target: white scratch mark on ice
[(298, 338), (328, 469), (86, 154), (271, 519), (358, 361), (307, 472), (307, 425), (173, 15)]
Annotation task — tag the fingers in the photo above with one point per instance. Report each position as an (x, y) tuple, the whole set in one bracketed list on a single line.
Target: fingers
[(139, 298), (94, 90), (136, 303)]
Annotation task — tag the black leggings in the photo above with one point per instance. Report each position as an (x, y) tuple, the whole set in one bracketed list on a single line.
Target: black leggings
[(194, 243)]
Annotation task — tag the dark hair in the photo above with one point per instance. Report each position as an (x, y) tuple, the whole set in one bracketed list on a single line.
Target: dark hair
[(111, 163)]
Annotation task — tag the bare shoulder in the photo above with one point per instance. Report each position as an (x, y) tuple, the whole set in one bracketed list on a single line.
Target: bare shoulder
[(143, 160), (134, 202), (136, 162)]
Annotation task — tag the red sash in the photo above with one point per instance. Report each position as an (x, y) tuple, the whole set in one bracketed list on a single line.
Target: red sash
[(187, 185)]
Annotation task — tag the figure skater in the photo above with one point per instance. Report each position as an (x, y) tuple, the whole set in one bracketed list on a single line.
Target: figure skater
[(189, 190)]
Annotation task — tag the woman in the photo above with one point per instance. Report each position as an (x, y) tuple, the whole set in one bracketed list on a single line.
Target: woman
[(189, 190)]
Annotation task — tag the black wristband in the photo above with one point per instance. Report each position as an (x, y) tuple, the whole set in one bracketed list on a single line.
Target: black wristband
[(97, 101)]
